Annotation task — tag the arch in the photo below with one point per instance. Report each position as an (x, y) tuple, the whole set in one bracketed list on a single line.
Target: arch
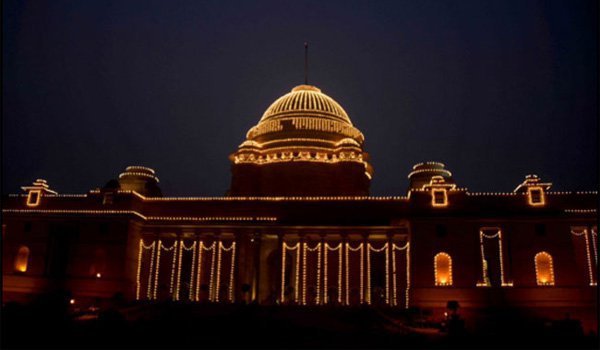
[(442, 267), (22, 259), (544, 269)]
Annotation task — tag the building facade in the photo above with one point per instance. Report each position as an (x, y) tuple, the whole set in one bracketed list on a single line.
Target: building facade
[(298, 227)]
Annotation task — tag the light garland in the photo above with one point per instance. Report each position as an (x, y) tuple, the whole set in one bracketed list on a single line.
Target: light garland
[(340, 274), (139, 269), (173, 265), (407, 275), (325, 273), (439, 281), (595, 244), (211, 286), (485, 279), (303, 273), (406, 291), (232, 271), (157, 270), (319, 254), (282, 272), (192, 271), (218, 278), (199, 271), (584, 233), (152, 258), (540, 280), (394, 278), (347, 273)]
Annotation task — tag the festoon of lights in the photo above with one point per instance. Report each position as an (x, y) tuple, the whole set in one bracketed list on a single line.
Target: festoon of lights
[(178, 249), (485, 281), (344, 249), (584, 232)]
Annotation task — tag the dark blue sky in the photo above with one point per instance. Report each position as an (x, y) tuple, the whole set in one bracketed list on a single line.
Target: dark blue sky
[(494, 89)]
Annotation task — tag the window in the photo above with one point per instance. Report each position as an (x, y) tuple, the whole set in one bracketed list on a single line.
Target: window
[(33, 198), (22, 259), (536, 196), (544, 269), (442, 267), (439, 198)]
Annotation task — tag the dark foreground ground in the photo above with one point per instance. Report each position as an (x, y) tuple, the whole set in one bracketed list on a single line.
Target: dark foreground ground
[(52, 324)]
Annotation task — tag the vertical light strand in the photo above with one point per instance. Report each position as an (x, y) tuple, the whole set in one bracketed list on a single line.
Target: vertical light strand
[(502, 280), (173, 267), (387, 273), (347, 273), (340, 255), (232, 272), (319, 252), (139, 269), (325, 272), (362, 276), (282, 272), (150, 273), (178, 285), (157, 268), (218, 278), (297, 281), (211, 283), (199, 271), (483, 280), (407, 274), (394, 277), (369, 273), (595, 245), (589, 259), (191, 294), (303, 273)]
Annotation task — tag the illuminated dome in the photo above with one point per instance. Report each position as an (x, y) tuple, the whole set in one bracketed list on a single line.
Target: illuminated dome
[(306, 99), (305, 126)]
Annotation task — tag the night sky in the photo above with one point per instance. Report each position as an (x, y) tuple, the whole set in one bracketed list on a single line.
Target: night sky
[(495, 90)]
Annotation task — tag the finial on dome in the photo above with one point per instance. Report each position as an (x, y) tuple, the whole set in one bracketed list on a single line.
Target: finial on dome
[(305, 63)]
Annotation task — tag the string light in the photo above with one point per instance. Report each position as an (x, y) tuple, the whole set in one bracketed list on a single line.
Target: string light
[(340, 273), (407, 274), (325, 272), (446, 278), (199, 270), (320, 252), (283, 272), (296, 284), (394, 278), (303, 273), (595, 244), (192, 268), (152, 258), (546, 279), (139, 269), (347, 273), (584, 233), (218, 278), (156, 272), (212, 271), (232, 271), (387, 274), (368, 273), (173, 270), (485, 279)]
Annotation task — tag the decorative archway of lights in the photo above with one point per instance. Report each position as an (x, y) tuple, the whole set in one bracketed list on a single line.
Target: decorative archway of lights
[(343, 255), (199, 255)]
